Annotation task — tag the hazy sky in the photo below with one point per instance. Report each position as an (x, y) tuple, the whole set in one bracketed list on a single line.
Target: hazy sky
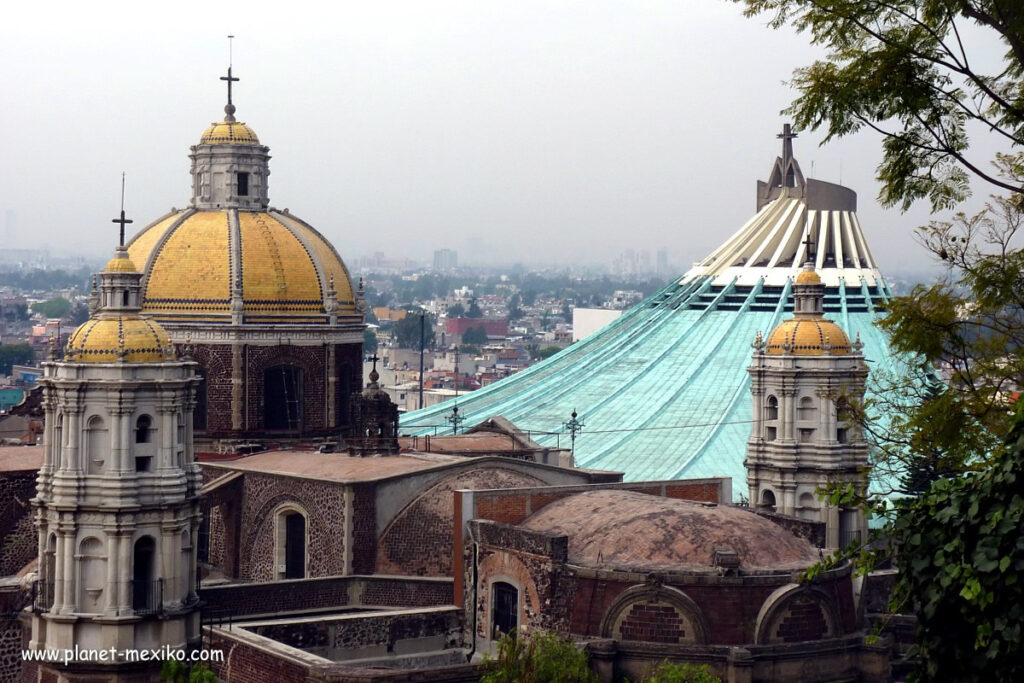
[(544, 131)]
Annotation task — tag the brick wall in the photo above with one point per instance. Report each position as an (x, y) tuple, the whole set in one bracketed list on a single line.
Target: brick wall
[(512, 507), (369, 635), (19, 543), (419, 539), (812, 532), (324, 503), (301, 595), (216, 361), (11, 601)]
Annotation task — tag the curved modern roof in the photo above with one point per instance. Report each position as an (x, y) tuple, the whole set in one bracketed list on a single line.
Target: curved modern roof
[(663, 391)]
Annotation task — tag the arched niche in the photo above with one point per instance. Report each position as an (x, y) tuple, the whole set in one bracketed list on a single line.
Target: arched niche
[(655, 614), (92, 574), (795, 613)]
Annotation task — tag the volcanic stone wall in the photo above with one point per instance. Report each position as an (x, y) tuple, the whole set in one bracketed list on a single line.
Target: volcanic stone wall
[(19, 543)]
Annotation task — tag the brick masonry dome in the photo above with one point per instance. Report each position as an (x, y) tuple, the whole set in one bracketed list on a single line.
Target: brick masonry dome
[(637, 531)]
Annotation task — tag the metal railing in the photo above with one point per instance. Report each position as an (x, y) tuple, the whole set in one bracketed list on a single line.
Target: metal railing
[(44, 596), (147, 597)]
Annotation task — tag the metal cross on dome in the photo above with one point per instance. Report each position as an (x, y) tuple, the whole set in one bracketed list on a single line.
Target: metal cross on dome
[(122, 220), (809, 243), (574, 426), (230, 108), (455, 420)]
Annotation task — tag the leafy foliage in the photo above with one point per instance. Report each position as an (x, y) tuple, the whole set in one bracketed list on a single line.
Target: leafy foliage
[(668, 672), (369, 341), (474, 310), (475, 335), (178, 672), (961, 560), (901, 67), (407, 332), (15, 354), (54, 308), (540, 657), (456, 311)]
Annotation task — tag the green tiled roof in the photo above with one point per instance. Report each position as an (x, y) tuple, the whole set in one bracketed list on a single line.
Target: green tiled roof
[(663, 390)]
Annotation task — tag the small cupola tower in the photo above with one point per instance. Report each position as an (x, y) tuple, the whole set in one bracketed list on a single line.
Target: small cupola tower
[(229, 165), (374, 420), (804, 378), (117, 503)]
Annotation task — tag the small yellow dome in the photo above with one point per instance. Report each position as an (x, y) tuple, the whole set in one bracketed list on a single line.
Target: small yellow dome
[(807, 337), (113, 338), (229, 133), (121, 264), (808, 277)]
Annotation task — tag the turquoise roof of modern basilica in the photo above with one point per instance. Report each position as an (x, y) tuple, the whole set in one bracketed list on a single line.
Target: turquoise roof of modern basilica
[(663, 391)]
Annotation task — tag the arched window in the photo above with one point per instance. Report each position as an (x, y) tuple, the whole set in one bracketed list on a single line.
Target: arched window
[(282, 398), (768, 499), (291, 543), (771, 408), (199, 418), (93, 575), (504, 609), (806, 409), (143, 429), (146, 591), (96, 445)]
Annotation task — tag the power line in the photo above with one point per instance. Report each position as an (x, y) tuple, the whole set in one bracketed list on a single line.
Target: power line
[(607, 431)]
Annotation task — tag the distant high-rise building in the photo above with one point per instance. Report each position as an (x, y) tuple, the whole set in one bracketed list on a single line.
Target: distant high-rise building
[(662, 267), (446, 259)]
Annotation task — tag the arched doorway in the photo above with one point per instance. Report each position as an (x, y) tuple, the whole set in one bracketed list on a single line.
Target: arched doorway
[(282, 398), (505, 604), (145, 591), (291, 544)]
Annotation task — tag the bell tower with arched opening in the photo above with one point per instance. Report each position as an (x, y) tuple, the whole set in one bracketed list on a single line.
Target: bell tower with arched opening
[(117, 503), (804, 378)]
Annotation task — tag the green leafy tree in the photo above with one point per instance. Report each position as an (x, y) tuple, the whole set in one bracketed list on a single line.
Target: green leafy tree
[(961, 562), (15, 354), (669, 672), (406, 332), (174, 671), (369, 341), (456, 311), (540, 657), (474, 310), (475, 335), (903, 69), (54, 308), (546, 352)]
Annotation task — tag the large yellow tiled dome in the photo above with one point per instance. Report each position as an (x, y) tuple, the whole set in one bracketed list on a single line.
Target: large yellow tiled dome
[(112, 338), (195, 262)]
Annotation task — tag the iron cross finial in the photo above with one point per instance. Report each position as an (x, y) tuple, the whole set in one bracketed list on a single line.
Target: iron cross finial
[(229, 109), (810, 246), (122, 220)]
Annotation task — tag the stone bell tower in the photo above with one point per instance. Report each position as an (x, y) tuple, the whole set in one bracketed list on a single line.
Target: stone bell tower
[(117, 504), (804, 378)]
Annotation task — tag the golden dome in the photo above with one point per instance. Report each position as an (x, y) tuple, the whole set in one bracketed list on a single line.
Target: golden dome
[(121, 264), (283, 267), (112, 338), (808, 277), (807, 337), (229, 133)]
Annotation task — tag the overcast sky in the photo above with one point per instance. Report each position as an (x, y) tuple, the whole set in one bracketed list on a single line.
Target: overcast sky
[(542, 131)]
